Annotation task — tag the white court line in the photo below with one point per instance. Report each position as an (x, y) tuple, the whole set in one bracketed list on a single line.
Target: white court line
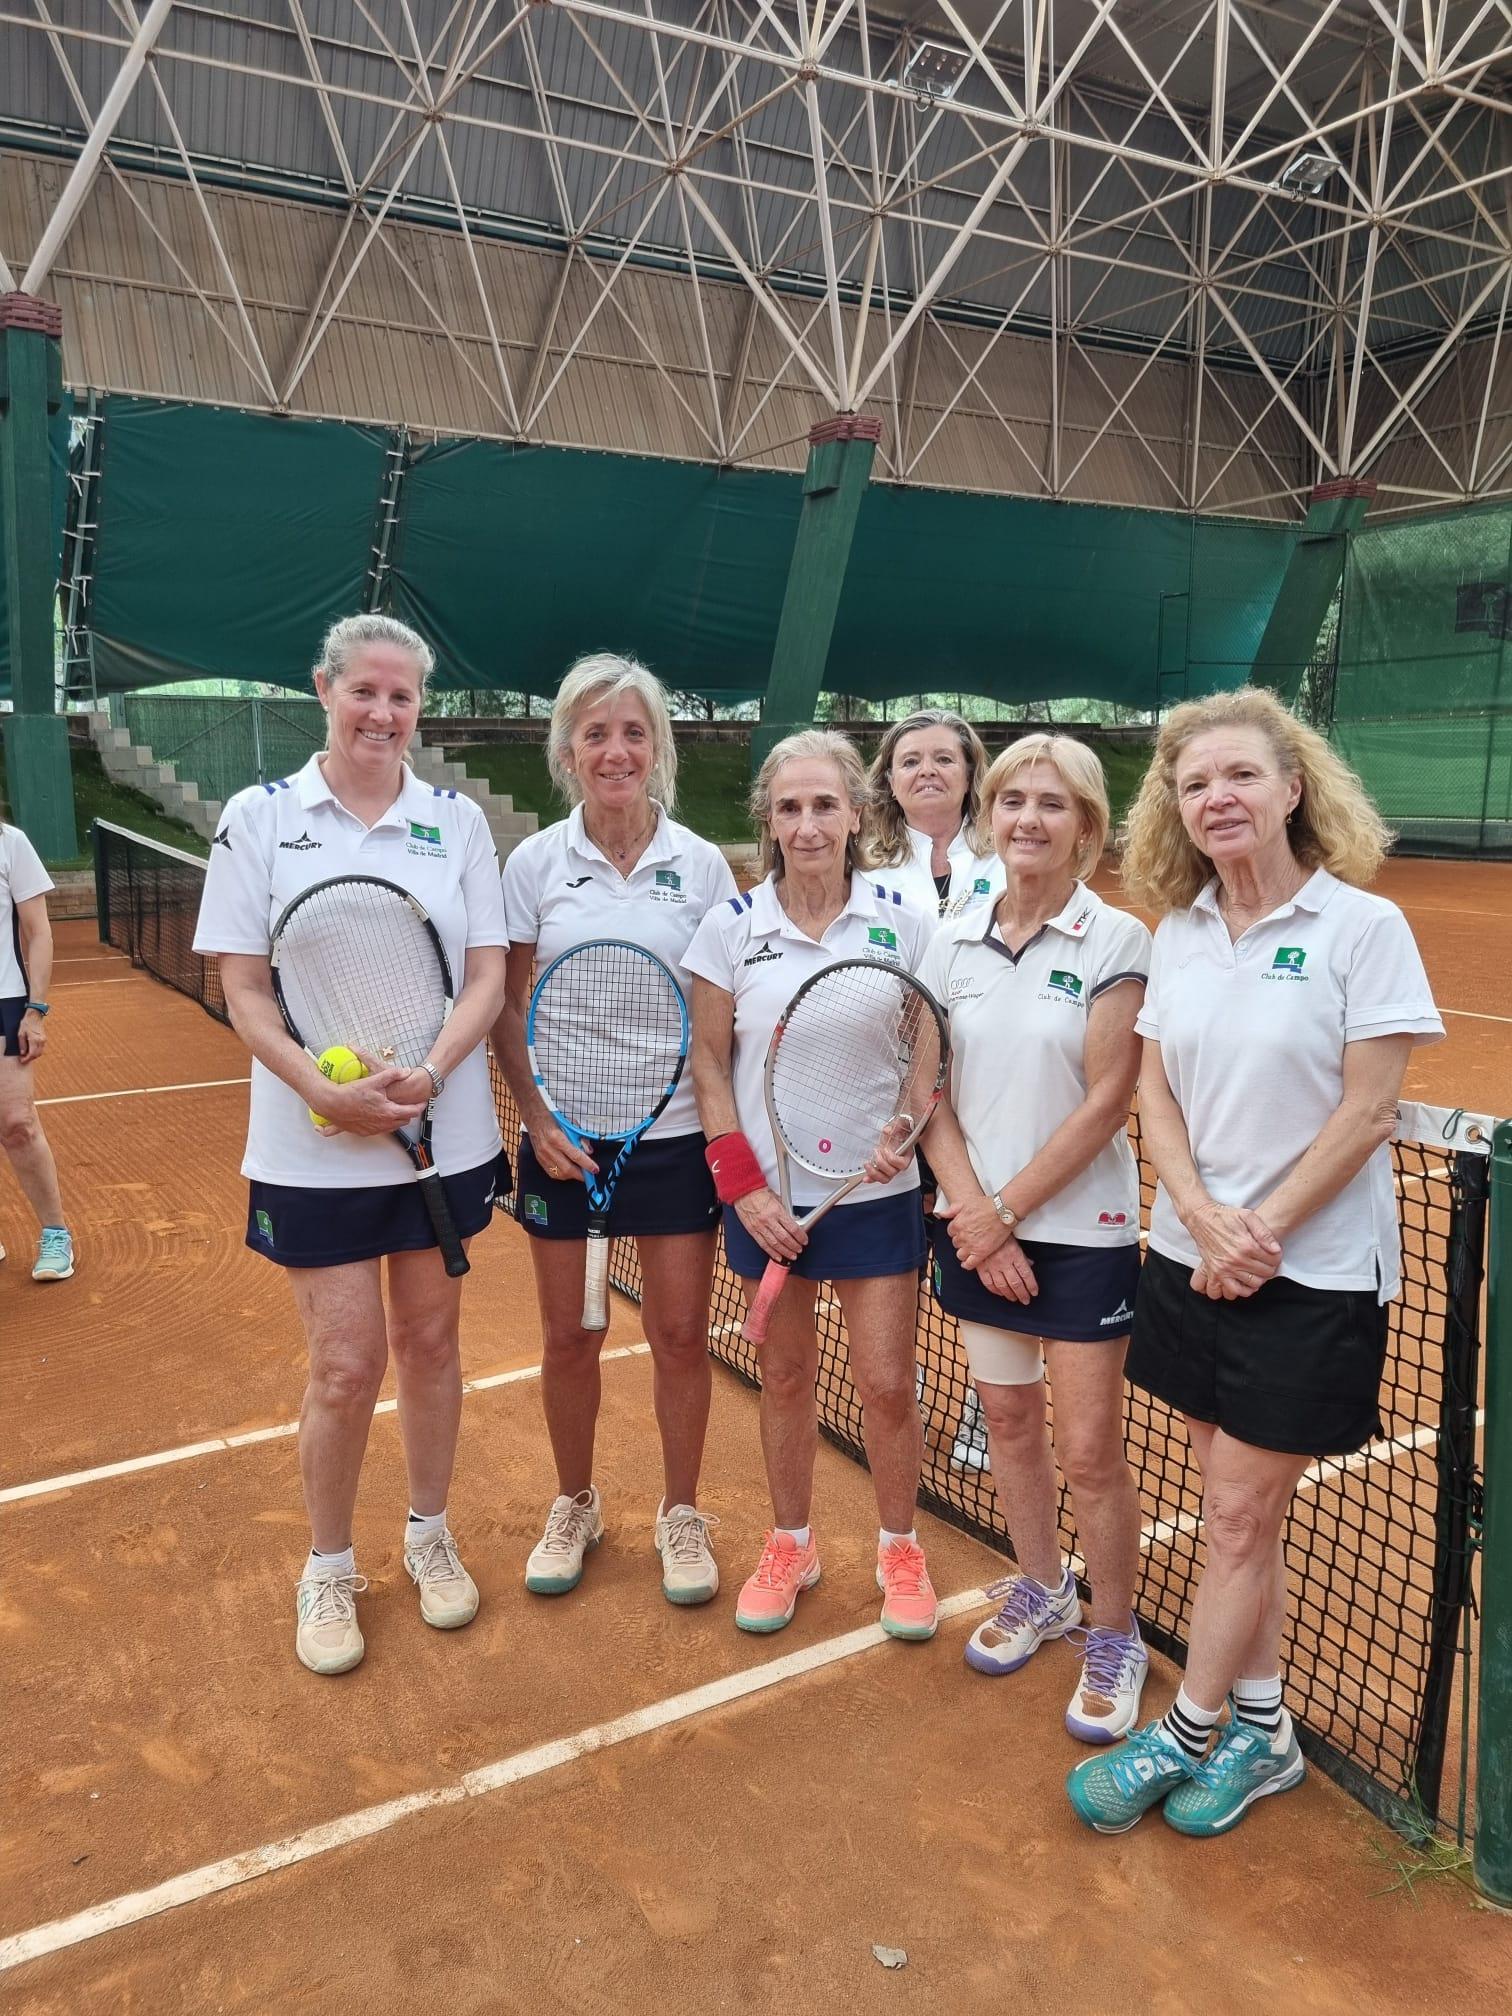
[(1473, 1015), (126, 980), (44, 1486), (141, 1091), (367, 1821)]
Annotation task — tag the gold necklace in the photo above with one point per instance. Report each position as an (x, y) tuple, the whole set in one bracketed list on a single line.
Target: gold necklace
[(630, 846)]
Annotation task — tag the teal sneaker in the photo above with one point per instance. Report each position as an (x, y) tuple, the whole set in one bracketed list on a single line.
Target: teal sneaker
[(1114, 1792), (55, 1254), (1241, 1768)]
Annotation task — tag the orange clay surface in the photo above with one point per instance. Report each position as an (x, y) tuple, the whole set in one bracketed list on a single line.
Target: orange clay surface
[(745, 1859)]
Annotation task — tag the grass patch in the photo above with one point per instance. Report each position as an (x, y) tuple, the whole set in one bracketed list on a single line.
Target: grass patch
[(96, 796), (714, 778)]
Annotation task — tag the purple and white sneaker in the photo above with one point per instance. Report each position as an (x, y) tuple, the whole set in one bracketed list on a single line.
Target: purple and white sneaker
[(1105, 1705), (1029, 1615)]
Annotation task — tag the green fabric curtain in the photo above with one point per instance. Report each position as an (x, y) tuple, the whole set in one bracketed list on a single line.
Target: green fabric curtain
[(227, 541)]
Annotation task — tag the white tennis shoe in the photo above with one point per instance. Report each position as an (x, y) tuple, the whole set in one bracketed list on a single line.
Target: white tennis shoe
[(573, 1525)]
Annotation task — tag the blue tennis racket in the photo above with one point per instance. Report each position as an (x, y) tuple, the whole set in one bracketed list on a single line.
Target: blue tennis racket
[(607, 1035)]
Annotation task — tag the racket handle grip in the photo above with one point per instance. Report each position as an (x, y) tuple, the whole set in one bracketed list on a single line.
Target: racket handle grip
[(759, 1315), (443, 1224), (596, 1281)]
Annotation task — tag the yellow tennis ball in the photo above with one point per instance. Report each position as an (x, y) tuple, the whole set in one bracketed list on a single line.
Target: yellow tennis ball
[(341, 1066)]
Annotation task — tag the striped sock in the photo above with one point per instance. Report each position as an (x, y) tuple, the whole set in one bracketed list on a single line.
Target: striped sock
[(1189, 1726), (1259, 1702)]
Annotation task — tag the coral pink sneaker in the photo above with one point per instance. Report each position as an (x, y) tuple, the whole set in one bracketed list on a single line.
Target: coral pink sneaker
[(910, 1608), (769, 1598)]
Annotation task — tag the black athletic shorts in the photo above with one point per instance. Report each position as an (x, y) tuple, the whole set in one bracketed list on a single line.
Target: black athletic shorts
[(12, 1008), (298, 1227), (1289, 1368)]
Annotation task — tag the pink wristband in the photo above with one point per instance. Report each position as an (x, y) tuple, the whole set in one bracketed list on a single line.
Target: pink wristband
[(736, 1172)]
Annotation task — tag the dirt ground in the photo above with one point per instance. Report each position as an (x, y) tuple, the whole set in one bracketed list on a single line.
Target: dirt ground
[(747, 1855)]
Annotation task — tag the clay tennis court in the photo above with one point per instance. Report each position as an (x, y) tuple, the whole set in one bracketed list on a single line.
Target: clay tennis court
[(596, 1803)]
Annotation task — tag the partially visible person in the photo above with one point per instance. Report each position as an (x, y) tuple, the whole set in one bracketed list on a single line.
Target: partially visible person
[(923, 830), (26, 957), (618, 866), (815, 906), (337, 1206), (1283, 1005), (1036, 1234)]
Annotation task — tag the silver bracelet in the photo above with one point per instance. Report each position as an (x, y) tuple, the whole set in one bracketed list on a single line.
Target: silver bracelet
[(437, 1081)]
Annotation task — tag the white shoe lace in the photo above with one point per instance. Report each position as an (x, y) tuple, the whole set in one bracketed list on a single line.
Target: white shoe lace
[(435, 1560), (685, 1536), (335, 1600), (569, 1525)]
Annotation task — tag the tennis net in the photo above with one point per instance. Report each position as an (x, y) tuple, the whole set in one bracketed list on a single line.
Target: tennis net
[(1380, 1545)]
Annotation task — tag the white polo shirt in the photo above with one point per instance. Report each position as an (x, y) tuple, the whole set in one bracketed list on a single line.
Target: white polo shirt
[(22, 876), (976, 880), (1018, 1034), (561, 891), (751, 948), (275, 840), (1252, 1038)]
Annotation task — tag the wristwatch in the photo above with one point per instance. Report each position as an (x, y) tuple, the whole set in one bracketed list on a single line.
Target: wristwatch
[(1006, 1213), (437, 1081), (36, 1008)]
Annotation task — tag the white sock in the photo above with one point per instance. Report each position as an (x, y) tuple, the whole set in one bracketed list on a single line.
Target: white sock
[(799, 1535), (344, 1563), (1187, 1725), (886, 1539), (423, 1526), (1258, 1702)]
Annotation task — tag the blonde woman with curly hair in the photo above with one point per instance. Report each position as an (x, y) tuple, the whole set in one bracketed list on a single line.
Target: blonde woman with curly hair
[(618, 866), (923, 827), (1283, 1004), (813, 907)]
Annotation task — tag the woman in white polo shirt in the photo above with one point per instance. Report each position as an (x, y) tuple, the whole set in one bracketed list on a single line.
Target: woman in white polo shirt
[(26, 953), (1283, 1005), (922, 827), (748, 958), (338, 1206), (1037, 1246), (619, 866)]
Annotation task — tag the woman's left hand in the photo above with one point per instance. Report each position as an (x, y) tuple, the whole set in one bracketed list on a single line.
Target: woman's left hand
[(31, 1037), (976, 1231), (1009, 1273), (1237, 1281), (887, 1160)]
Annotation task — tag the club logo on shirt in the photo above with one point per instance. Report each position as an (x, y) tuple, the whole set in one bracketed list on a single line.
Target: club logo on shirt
[(534, 1207), (425, 841), (1288, 964), (667, 887), (303, 845), (1067, 984), (981, 886), (223, 839), (879, 934)]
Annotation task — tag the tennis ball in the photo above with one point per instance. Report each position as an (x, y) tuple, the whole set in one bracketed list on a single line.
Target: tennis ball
[(341, 1066)]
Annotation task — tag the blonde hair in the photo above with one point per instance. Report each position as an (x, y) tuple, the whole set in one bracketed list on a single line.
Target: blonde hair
[(349, 633), (886, 843), (1334, 825), (605, 676), (808, 745), (1081, 771)]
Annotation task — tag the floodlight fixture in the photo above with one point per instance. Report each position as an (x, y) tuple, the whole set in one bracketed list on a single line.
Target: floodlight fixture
[(934, 71), (1307, 175)]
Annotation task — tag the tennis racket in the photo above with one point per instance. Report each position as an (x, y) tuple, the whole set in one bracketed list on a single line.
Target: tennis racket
[(858, 1060), (357, 961), (607, 1035)]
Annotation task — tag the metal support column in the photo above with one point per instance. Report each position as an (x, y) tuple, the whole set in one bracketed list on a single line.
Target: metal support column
[(36, 735), (1312, 575), (839, 467), (1493, 1752)]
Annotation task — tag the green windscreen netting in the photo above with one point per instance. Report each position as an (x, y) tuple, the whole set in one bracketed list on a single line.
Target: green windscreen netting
[(1423, 690)]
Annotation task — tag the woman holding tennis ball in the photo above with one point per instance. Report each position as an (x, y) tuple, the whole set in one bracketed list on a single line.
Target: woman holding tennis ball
[(334, 1200)]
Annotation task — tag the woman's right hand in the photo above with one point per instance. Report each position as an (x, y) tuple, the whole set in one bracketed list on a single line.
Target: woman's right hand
[(1237, 1250), (776, 1232), (364, 1106), (559, 1157)]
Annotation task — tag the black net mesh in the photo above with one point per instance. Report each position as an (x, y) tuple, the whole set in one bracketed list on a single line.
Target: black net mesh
[(1378, 1544)]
